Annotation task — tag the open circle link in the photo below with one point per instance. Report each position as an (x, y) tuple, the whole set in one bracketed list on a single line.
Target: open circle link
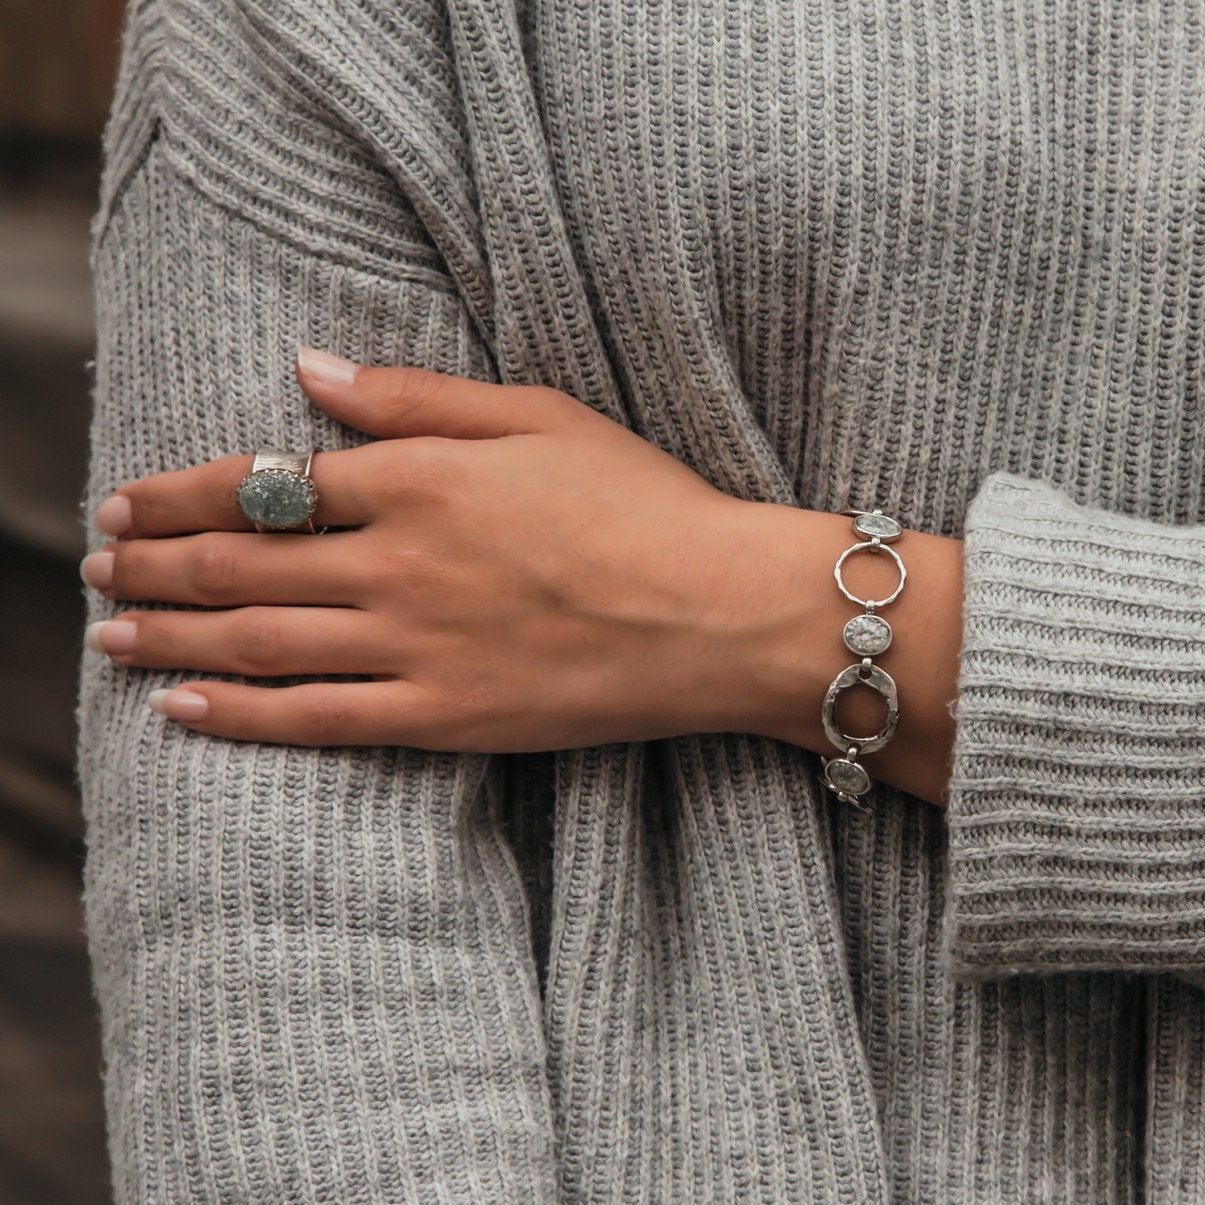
[(870, 602), (879, 680)]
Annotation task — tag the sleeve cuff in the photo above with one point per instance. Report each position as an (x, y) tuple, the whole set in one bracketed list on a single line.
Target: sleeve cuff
[(1076, 802)]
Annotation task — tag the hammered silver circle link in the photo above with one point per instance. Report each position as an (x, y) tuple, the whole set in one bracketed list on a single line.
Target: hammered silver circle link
[(877, 679), (870, 602)]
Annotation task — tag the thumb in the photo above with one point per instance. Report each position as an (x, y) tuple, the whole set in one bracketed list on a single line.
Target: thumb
[(409, 400)]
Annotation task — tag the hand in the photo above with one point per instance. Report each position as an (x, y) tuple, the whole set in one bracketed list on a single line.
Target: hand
[(513, 572)]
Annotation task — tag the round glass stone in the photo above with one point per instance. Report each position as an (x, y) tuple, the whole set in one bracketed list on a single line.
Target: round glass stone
[(277, 498), (867, 635), (847, 776), (883, 526)]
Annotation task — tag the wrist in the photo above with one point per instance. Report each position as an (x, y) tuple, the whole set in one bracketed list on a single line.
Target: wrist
[(765, 617), (791, 641)]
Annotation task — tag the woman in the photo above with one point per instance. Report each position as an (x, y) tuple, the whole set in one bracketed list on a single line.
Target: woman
[(513, 871)]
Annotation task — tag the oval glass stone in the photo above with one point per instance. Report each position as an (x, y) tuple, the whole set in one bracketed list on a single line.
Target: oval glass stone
[(883, 526), (867, 635), (277, 498), (847, 776)]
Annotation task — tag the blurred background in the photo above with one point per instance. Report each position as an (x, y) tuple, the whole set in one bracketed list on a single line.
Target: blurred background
[(57, 61)]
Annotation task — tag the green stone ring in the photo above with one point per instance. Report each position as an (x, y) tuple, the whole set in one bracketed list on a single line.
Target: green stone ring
[(279, 494)]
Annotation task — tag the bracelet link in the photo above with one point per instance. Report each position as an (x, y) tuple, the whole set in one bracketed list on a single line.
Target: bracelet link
[(847, 778)]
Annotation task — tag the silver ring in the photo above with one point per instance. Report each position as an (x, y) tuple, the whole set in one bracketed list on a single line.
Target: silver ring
[(279, 494)]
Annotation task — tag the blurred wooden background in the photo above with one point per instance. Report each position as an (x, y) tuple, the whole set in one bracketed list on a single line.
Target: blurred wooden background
[(56, 65), (57, 59)]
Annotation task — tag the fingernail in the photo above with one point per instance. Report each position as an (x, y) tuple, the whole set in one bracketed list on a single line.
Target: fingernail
[(111, 636), (178, 704), (113, 516), (322, 366), (97, 570)]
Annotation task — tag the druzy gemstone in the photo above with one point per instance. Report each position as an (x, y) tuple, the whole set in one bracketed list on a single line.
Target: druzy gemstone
[(847, 776), (867, 635), (277, 498), (883, 526)]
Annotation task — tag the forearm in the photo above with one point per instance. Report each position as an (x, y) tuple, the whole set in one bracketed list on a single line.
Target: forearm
[(795, 649)]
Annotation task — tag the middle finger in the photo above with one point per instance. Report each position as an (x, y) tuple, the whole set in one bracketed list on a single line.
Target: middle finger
[(230, 569)]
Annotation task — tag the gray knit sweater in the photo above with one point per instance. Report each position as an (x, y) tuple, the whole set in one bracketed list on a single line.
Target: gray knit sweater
[(943, 258)]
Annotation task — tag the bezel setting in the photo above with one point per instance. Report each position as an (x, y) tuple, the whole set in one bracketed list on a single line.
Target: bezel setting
[(277, 499)]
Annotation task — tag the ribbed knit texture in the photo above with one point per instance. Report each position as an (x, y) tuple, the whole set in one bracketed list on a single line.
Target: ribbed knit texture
[(946, 259)]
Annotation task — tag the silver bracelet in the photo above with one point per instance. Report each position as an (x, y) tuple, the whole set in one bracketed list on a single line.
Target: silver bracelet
[(867, 635)]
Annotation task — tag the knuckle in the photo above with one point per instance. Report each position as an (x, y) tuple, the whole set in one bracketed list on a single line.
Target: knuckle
[(257, 645), (415, 389), (548, 397), (425, 470), (429, 462), (407, 567), (467, 720), (324, 720), (556, 409), (394, 483), (212, 571)]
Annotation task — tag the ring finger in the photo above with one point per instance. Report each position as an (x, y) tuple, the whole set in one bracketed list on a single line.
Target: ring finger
[(227, 569), (251, 641)]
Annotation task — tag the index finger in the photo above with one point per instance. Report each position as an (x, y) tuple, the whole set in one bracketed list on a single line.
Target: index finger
[(204, 498)]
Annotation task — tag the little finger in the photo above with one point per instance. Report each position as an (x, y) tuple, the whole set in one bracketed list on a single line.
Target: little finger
[(315, 713)]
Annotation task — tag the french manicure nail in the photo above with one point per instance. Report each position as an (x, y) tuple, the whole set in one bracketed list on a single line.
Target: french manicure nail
[(97, 570), (113, 515), (178, 704), (111, 636), (322, 366)]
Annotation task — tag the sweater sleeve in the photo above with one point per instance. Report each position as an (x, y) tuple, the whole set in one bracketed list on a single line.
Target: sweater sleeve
[(1076, 803), (313, 967)]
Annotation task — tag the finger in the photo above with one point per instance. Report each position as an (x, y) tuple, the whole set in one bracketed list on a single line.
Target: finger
[(205, 498), (409, 400), (223, 569), (316, 713), (255, 642)]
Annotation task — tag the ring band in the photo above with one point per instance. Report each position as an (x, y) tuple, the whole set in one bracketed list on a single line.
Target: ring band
[(279, 494)]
